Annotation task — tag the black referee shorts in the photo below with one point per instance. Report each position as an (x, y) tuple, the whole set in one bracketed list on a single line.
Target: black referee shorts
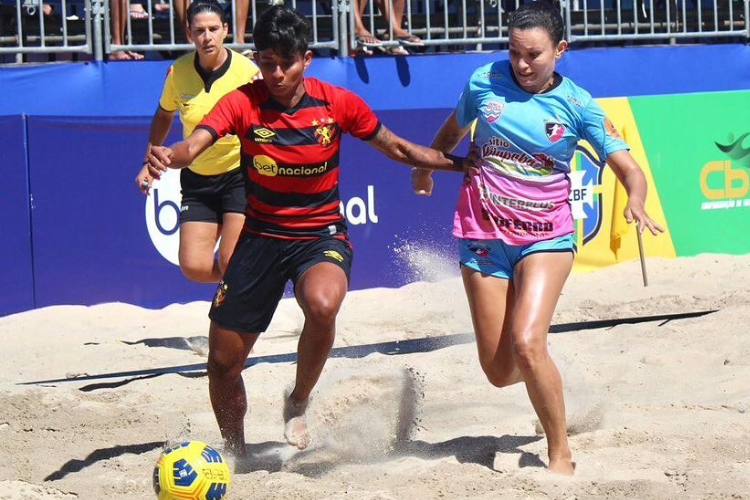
[(254, 281), (206, 198)]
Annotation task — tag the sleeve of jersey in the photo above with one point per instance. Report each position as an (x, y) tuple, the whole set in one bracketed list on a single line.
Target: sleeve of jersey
[(466, 109), (599, 131), (359, 120), (168, 100), (220, 121)]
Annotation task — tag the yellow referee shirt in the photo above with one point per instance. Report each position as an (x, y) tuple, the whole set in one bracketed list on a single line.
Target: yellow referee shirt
[(193, 96)]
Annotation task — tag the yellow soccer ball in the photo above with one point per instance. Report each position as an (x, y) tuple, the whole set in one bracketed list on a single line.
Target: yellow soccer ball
[(191, 471)]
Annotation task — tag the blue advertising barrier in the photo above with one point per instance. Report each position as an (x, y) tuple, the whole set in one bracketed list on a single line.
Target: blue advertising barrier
[(411, 237), (419, 82), (90, 223), (16, 272), (91, 244), (77, 231)]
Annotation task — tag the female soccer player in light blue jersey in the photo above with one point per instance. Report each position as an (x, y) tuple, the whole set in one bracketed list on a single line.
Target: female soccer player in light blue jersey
[(513, 219)]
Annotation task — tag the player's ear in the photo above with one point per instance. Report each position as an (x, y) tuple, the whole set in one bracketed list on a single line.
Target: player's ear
[(561, 48), (307, 58)]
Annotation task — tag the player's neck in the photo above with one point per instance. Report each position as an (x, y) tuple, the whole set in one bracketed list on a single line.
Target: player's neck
[(214, 62), (294, 99)]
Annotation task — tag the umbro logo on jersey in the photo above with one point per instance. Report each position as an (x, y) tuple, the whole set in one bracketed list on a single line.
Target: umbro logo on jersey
[(263, 135)]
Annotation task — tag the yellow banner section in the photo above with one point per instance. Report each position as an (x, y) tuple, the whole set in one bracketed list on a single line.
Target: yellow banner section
[(603, 236)]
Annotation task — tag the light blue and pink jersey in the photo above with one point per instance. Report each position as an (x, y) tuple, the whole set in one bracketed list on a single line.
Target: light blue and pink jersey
[(526, 142)]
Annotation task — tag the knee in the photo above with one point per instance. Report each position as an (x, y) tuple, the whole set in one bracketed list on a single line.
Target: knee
[(224, 365), (499, 375), (322, 310), (197, 273), (529, 351)]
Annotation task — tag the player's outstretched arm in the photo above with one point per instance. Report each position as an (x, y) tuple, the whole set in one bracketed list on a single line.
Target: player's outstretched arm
[(160, 125), (399, 149), (630, 174), (447, 138), (178, 155)]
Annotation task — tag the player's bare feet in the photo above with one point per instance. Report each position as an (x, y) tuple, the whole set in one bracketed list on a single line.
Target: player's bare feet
[(562, 465), (295, 423)]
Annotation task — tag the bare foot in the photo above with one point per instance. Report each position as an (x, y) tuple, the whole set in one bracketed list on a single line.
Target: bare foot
[(125, 55), (120, 55), (295, 423), (564, 466)]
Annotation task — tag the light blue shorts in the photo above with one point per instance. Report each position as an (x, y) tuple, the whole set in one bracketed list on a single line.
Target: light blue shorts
[(498, 259)]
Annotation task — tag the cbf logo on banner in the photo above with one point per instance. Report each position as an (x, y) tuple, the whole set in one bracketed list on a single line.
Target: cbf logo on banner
[(163, 215), (585, 194)]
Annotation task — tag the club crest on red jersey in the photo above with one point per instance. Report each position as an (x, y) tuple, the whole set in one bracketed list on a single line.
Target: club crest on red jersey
[(326, 132)]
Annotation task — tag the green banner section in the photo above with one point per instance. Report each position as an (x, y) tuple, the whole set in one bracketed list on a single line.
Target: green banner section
[(698, 147)]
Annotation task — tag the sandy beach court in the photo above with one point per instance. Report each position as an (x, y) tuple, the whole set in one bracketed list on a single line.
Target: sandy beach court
[(657, 409)]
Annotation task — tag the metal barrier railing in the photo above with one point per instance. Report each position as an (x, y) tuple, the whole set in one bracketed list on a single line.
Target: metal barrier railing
[(443, 25), (165, 33), (481, 22), (667, 20), (30, 26)]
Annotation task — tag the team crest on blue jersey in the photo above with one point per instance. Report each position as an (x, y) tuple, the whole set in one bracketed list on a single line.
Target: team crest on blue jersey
[(611, 129), (493, 110), (554, 130)]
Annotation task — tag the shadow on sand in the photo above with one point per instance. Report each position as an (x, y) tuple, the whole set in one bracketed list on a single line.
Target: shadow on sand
[(318, 461)]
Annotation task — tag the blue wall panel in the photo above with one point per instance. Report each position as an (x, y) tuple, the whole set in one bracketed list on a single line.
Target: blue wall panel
[(91, 244), (89, 236), (393, 251), (16, 274), (418, 82)]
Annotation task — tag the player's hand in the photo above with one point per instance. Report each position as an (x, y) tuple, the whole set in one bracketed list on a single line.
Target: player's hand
[(472, 163), (421, 181), (158, 159), (144, 180), (635, 211)]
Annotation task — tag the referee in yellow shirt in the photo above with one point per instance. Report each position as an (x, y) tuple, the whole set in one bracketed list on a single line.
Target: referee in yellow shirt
[(213, 188)]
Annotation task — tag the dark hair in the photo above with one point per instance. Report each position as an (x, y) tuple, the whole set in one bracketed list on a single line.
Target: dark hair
[(538, 14), (205, 7), (282, 29)]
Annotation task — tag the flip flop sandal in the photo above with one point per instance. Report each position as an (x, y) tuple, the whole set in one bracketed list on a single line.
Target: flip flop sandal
[(410, 41), (367, 41), (137, 14)]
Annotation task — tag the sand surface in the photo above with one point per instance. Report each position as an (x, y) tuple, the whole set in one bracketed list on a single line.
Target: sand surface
[(657, 409)]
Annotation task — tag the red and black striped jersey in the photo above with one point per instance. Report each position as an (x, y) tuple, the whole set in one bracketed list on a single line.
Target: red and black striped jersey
[(290, 157)]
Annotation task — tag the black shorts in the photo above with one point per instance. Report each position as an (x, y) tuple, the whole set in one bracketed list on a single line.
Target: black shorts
[(206, 198), (254, 281)]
